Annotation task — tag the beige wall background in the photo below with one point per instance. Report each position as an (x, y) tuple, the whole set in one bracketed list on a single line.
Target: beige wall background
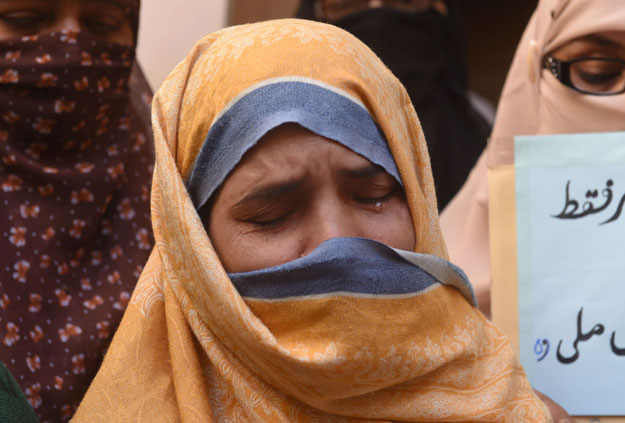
[(169, 28), (246, 11)]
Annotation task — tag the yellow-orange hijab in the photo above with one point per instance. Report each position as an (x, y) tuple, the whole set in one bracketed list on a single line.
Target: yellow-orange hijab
[(191, 349)]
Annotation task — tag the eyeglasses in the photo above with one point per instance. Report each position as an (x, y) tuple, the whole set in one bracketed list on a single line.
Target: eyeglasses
[(589, 75), (336, 9)]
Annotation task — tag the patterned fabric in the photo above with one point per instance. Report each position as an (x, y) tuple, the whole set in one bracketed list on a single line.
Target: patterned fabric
[(190, 348), (74, 185)]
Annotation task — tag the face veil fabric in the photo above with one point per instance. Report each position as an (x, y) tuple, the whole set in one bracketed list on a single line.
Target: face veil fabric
[(75, 173), (532, 102), (191, 348)]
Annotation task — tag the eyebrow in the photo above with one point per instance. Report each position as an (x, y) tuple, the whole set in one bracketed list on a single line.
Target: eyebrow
[(115, 2), (269, 192), (601, 40), (366, 171)]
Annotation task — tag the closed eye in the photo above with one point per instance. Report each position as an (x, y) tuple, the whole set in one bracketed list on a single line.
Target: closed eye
[(102, 25), (374, 200), (599, 78), (271, 223), (23, 19)]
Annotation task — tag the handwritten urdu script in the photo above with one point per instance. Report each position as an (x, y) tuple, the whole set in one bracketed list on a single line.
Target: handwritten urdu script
[(570, 201), (542, 346), (576, 209)]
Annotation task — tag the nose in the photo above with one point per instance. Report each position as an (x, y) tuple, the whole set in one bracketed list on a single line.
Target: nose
[(333, 220), (68, 17), (67, 23)]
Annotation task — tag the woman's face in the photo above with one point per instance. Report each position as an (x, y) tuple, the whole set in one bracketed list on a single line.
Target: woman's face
[(296, 189), (337, 9), (596, 76), (100, 17), (603, 44)]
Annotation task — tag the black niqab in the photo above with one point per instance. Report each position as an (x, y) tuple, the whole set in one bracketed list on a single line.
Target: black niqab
[(425, 50)]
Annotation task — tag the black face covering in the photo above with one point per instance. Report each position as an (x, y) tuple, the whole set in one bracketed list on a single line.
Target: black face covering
[(421, 51), (412, 45)]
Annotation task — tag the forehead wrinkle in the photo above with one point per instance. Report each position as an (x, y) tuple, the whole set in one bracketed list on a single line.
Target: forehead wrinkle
[(264, 161), (264, 169)]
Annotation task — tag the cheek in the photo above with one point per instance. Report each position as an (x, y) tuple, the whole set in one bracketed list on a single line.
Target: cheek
[(7, 33), (270, 251), (123, 37), (394, 228), (583, 113), (242, 251)]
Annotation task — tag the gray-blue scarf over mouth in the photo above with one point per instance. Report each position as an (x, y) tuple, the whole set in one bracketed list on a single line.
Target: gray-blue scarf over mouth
[(352, 267)]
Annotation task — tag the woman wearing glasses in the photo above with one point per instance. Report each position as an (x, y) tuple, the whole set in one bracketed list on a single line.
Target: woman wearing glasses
[(568, 76)]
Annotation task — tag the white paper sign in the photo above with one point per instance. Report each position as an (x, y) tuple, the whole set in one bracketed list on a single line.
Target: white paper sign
[(570, 196)]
